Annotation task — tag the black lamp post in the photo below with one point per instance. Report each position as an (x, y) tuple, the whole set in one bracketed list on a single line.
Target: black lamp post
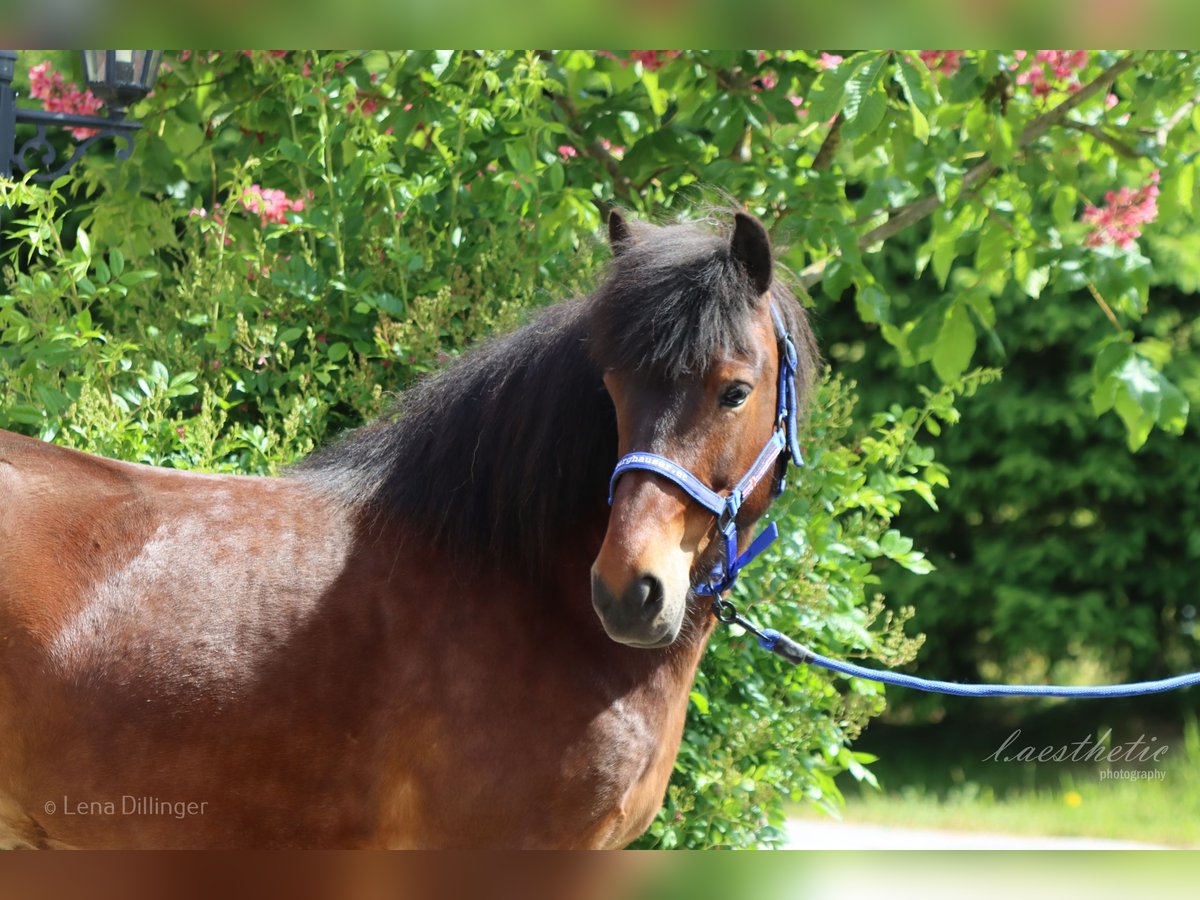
[(118, 77)]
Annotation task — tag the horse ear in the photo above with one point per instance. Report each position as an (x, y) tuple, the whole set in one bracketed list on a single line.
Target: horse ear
[(752, 248), (618, 232)]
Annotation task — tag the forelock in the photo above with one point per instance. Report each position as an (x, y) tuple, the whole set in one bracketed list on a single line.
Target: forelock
[(673, 300)]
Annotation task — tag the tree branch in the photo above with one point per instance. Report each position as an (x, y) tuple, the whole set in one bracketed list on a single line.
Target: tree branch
[(914, 212), (1176, 117), (1104, 137), (1098, 297), (829, 146)]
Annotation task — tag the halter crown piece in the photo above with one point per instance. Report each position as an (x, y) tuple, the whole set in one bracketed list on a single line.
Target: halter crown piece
[(725, 507)]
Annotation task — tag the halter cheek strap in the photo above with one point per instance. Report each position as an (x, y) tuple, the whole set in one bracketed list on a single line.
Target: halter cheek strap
[(726, 507)]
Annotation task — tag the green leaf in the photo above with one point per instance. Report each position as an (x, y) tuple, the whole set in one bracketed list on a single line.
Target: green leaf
[(338, 351), (1062, 208), (870, 114), (1032, 279), (865, 100), (955, 344), (945, 249), (919, 91), (1185, 186), (992, 254), (658, 97), (828, 93), (442, 61), (1126, 381), (518, 153), (872, 304), (129, 279)]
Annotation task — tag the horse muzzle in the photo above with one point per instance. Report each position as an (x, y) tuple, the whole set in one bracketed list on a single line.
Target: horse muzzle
[(641, 615)]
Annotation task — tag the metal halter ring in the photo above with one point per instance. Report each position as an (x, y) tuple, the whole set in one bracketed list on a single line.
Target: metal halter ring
[(725, 611)]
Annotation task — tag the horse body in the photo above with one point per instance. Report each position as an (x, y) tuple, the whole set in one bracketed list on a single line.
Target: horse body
[(244, 643), (397, 644)]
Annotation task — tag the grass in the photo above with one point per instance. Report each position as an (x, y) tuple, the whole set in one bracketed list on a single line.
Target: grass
[(941, 777)]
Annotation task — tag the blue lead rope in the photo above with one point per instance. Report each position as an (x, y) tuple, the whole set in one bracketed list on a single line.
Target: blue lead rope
[(797, 654)]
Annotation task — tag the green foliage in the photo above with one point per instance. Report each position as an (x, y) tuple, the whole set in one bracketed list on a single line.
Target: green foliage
[(172, 309)]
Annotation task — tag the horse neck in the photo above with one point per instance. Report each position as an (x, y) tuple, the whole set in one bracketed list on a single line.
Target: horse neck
[(503, 459)]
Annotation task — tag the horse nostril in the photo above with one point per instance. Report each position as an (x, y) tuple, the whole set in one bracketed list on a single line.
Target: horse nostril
[(651, 593), (602, 597)]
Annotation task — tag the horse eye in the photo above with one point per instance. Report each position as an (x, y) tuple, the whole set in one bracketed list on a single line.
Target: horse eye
[(735, 395)]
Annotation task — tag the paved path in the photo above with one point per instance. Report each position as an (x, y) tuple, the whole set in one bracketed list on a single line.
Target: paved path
[(828, 834)]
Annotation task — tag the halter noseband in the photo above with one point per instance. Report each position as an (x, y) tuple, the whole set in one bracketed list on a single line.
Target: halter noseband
[(725, 571)]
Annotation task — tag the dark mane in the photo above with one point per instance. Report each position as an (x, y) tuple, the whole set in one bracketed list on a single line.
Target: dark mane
[(507, 453)]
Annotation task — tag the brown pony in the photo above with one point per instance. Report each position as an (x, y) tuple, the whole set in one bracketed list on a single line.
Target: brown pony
[(398, 644)]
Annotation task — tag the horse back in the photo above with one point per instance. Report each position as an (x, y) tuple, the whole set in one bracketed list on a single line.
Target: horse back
[(64, 517), (86, 540)]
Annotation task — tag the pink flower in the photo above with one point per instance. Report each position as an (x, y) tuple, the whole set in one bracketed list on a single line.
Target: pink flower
[(566, 151), (1051, 70), (306, 71), (270, 204), (185, 55), (1035, 78), (945, 61), (652, 60), (47, 85), (181, 430), (1119, 221), (830, 60), (614, 149), (765, 82), (1110, 100), (364, 103)]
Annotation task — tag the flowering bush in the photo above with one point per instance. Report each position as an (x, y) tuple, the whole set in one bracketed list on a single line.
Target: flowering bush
[(299, 234)]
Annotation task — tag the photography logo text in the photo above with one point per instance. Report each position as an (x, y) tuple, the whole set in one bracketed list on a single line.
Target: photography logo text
[(127, 805), (1134, 759)]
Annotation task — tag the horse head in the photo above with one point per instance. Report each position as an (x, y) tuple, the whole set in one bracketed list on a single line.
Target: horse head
[(687, 329)]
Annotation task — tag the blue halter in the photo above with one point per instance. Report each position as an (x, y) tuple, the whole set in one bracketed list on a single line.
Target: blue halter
[(725, 572)]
